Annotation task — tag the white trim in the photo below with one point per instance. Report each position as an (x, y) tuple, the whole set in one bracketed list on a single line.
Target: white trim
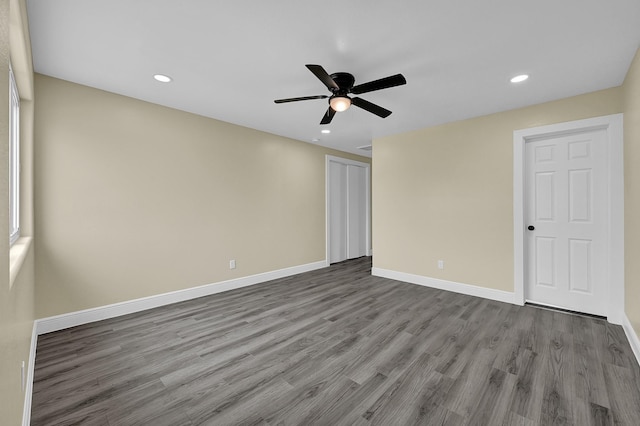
[(17, 254), (632, 337), (28, 390), (613, 125), (327, 174), (468, 289), (14, 159), (72, 319)]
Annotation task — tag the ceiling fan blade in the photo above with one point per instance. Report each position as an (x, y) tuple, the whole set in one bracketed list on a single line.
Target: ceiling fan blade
[(303, 98), (323, 76), (328, 116), (372, 108), (383, 83)]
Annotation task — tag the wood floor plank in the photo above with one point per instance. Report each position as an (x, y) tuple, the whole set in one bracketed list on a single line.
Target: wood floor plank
[(338, 346), (350, 408), (558, 389), (399, 402), (469, 386), (512, 419), (589, 383), (527, 397), (622, 381)]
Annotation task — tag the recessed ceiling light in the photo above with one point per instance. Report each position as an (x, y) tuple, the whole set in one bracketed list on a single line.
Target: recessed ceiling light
[(315, 140), (325, 131), (162, 78), (519, 78)]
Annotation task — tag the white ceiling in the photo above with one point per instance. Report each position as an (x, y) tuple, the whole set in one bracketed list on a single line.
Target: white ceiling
[(230, 59)]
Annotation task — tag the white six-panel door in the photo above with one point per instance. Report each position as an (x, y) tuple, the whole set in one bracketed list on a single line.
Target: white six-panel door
[(566, 217)]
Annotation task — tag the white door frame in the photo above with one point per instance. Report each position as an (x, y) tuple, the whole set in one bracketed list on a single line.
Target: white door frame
[(612, 124), (367, 167)]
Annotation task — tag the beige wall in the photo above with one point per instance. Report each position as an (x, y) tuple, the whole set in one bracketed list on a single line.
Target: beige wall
[(16, 293), (16, 325), (134, 199), (631, 89), (8, 358), (446, 192)]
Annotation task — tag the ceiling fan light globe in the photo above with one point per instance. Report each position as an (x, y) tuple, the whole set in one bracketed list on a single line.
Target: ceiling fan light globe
[(340, 103)]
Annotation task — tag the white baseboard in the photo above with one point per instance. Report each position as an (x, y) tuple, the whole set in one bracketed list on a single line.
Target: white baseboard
[(632, 337), (72, 319), (28, 388), (468, 289)]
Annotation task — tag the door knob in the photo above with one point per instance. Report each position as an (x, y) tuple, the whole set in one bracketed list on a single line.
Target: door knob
[(531, 227)]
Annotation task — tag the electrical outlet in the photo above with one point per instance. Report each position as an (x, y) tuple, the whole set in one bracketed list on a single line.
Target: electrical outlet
[(232, 264), (440, 264)]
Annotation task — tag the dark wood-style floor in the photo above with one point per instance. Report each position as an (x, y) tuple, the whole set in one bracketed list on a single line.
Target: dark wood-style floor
[(338, 347)]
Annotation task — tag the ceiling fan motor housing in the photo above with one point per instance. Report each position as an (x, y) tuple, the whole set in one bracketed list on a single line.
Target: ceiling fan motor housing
[(345, 82)]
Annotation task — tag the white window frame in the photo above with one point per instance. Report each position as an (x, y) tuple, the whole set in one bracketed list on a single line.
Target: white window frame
[(14, 159)]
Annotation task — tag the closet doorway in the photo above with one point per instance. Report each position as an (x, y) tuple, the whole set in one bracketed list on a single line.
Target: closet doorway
[(348, 209)]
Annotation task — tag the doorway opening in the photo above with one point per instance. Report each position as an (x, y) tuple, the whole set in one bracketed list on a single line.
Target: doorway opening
[(348, 209), (614, 226)]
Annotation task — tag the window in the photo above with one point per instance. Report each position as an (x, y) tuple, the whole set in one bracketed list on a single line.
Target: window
[(14, 159)]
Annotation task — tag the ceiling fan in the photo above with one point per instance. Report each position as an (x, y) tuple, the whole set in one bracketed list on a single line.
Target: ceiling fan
[(341, 84)]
